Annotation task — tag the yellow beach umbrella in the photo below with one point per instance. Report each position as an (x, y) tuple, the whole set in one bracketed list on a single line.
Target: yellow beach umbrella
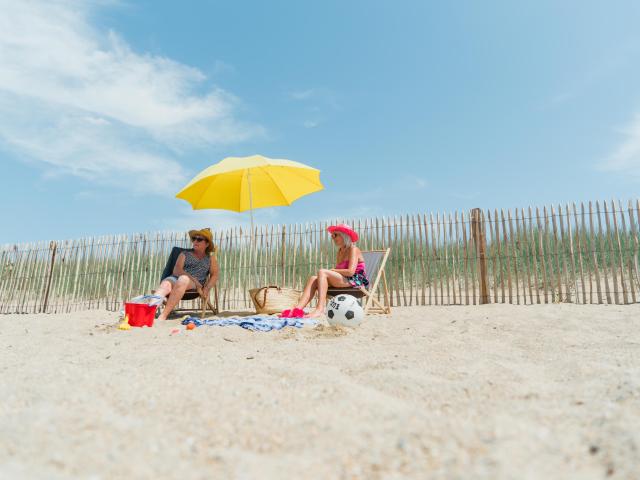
[(246, 183)]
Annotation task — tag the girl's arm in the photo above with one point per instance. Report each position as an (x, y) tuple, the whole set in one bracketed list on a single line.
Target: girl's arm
[(353, 263)]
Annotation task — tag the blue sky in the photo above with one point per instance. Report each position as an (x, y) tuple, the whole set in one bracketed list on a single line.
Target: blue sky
[(107, 108)]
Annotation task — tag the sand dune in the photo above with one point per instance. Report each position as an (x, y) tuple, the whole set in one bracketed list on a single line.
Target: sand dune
[(432, 392)]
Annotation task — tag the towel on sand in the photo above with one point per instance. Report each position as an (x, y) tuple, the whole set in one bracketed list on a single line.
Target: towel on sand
[(261, 323)]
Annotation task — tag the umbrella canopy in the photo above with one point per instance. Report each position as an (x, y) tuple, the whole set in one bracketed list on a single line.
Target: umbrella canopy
[(246, 183)]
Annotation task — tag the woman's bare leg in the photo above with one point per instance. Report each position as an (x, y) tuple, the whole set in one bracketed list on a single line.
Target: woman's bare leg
[(177, 292), (164, 289), (308, 293), (326, 278)]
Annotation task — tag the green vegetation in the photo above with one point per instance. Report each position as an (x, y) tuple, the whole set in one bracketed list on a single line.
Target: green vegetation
[(430, 263)]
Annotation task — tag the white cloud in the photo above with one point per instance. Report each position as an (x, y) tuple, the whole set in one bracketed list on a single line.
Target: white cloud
[(625, 159), (81, 101)]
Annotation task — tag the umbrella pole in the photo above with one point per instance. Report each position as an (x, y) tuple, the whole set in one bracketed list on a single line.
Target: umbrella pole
[(250, 202), (253, 243)]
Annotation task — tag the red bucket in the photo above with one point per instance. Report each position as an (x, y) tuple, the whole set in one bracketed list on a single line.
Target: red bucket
[(140, 314)]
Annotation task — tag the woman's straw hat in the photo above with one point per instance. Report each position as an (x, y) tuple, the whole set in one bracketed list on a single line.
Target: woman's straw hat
[(206, 233), (344, 229)]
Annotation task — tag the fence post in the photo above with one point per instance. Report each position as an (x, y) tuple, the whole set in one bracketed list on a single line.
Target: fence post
[(53, 247), (283, 252), (477, 229)]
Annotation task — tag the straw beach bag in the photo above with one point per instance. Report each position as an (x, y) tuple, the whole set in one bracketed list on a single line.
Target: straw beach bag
[(273, 299)]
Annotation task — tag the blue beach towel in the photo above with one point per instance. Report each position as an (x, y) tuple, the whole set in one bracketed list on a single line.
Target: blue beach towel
[(260, 323)]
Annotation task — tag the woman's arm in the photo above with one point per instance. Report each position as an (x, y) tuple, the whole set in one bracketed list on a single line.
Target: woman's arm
[(353, 263), (179, 270), (213, 273)]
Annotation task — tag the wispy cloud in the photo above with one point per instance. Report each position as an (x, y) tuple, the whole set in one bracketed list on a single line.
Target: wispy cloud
[(223, 68), (218, 220), (303, 94), (80, 101), (319, 104), (406, 182), (378, 197), (625, 158), (419, 183)]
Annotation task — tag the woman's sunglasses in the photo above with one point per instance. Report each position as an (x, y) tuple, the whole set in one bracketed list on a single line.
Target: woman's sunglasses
[(334, 235), (198, 239)]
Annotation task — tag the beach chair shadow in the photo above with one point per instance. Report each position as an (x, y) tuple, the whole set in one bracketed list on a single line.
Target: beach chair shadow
[(375, 261), (191, 294)]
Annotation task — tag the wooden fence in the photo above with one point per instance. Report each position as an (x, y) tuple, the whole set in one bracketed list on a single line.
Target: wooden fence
[(581, 254)]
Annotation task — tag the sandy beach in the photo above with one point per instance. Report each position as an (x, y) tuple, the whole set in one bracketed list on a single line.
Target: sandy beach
[(489, 392)]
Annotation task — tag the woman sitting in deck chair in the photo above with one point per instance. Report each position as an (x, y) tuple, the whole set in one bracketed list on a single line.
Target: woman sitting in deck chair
[(190, 272), (349, 272)]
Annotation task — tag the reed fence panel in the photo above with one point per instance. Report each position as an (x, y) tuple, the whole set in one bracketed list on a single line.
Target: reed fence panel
[(586, 253)]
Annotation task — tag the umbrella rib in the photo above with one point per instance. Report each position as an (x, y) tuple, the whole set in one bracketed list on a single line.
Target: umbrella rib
[(216, 178), (278, 185), (302, 177), (242, 187), (305, 179)]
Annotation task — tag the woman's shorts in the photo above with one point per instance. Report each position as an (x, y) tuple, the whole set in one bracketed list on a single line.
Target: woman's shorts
[(171, 279), (359, 279)]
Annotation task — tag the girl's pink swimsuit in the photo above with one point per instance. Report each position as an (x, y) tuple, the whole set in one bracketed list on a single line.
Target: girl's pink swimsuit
[(359, 278)]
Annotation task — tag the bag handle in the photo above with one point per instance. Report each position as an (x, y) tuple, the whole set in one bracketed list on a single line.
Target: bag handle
[(264, 296)]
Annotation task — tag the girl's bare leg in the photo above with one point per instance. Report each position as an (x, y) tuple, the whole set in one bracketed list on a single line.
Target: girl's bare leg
[(326, 278), (177, 292), (308, 293)]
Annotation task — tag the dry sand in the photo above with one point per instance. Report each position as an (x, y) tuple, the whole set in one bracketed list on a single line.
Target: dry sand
[(540, 392)]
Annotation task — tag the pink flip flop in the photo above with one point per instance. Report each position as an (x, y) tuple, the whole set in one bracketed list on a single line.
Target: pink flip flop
[(297, 313), (286, 314)]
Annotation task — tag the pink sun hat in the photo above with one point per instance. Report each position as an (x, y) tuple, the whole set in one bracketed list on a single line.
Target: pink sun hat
[(344, 229)]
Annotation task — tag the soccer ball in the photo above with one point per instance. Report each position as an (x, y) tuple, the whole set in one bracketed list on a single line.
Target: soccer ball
[(344, 310)]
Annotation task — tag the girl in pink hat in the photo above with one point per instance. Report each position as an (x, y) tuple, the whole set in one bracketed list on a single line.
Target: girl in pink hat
[(348, 272)]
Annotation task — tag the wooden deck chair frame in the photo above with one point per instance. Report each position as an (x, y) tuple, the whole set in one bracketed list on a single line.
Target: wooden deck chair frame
[(370, 303), (205, 303), (191, 294)]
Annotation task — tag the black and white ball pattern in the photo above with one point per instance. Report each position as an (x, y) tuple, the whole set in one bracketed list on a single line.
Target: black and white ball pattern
[(344, 310)]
